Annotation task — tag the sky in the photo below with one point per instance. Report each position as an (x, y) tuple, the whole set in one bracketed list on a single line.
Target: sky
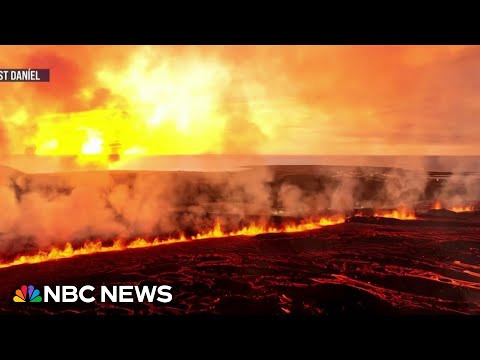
[(292, 100)]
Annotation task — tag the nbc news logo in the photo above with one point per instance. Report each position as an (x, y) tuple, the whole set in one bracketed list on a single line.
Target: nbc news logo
[(27, 294), (116, 293)]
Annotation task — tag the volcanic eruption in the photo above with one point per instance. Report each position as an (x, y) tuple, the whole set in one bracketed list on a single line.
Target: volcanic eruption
[(252, 180)]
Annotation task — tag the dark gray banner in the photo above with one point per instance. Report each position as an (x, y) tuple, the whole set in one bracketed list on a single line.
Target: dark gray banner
[(28, 75)]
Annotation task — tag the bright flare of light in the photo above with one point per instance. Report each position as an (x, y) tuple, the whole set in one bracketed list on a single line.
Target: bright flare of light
[(93, 145), (155, 104)]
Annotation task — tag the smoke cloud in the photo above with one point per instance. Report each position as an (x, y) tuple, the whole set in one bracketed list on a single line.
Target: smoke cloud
[(45, 210), (52, 209), (185, 99)]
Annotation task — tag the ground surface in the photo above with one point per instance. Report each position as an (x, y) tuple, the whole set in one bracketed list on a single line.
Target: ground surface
[(367, 265)]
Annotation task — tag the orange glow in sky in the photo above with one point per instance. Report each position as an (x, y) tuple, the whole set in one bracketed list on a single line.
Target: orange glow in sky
[(345, 100)]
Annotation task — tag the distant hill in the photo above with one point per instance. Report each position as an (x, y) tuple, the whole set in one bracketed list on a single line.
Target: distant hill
[(8, 171), (52, 164)]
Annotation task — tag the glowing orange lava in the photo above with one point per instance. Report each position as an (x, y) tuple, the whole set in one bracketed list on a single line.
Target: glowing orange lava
[(97, 247), (402, 214), (437, 205), (459, 209)]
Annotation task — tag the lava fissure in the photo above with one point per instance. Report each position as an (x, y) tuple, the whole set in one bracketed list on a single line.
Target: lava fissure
[(55, 253), (437, 205), (93, 247)]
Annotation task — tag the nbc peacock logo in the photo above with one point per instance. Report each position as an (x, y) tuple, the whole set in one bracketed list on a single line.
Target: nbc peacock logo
[(27, 294)]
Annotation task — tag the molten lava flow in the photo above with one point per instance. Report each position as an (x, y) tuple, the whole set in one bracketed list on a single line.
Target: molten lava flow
[(250, 230), (437, 205), (254, 229), (459, 209), (217, 232), (402, 214), (88, 248)]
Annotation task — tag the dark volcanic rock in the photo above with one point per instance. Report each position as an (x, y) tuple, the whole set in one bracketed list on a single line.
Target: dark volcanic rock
[(368, 265)]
